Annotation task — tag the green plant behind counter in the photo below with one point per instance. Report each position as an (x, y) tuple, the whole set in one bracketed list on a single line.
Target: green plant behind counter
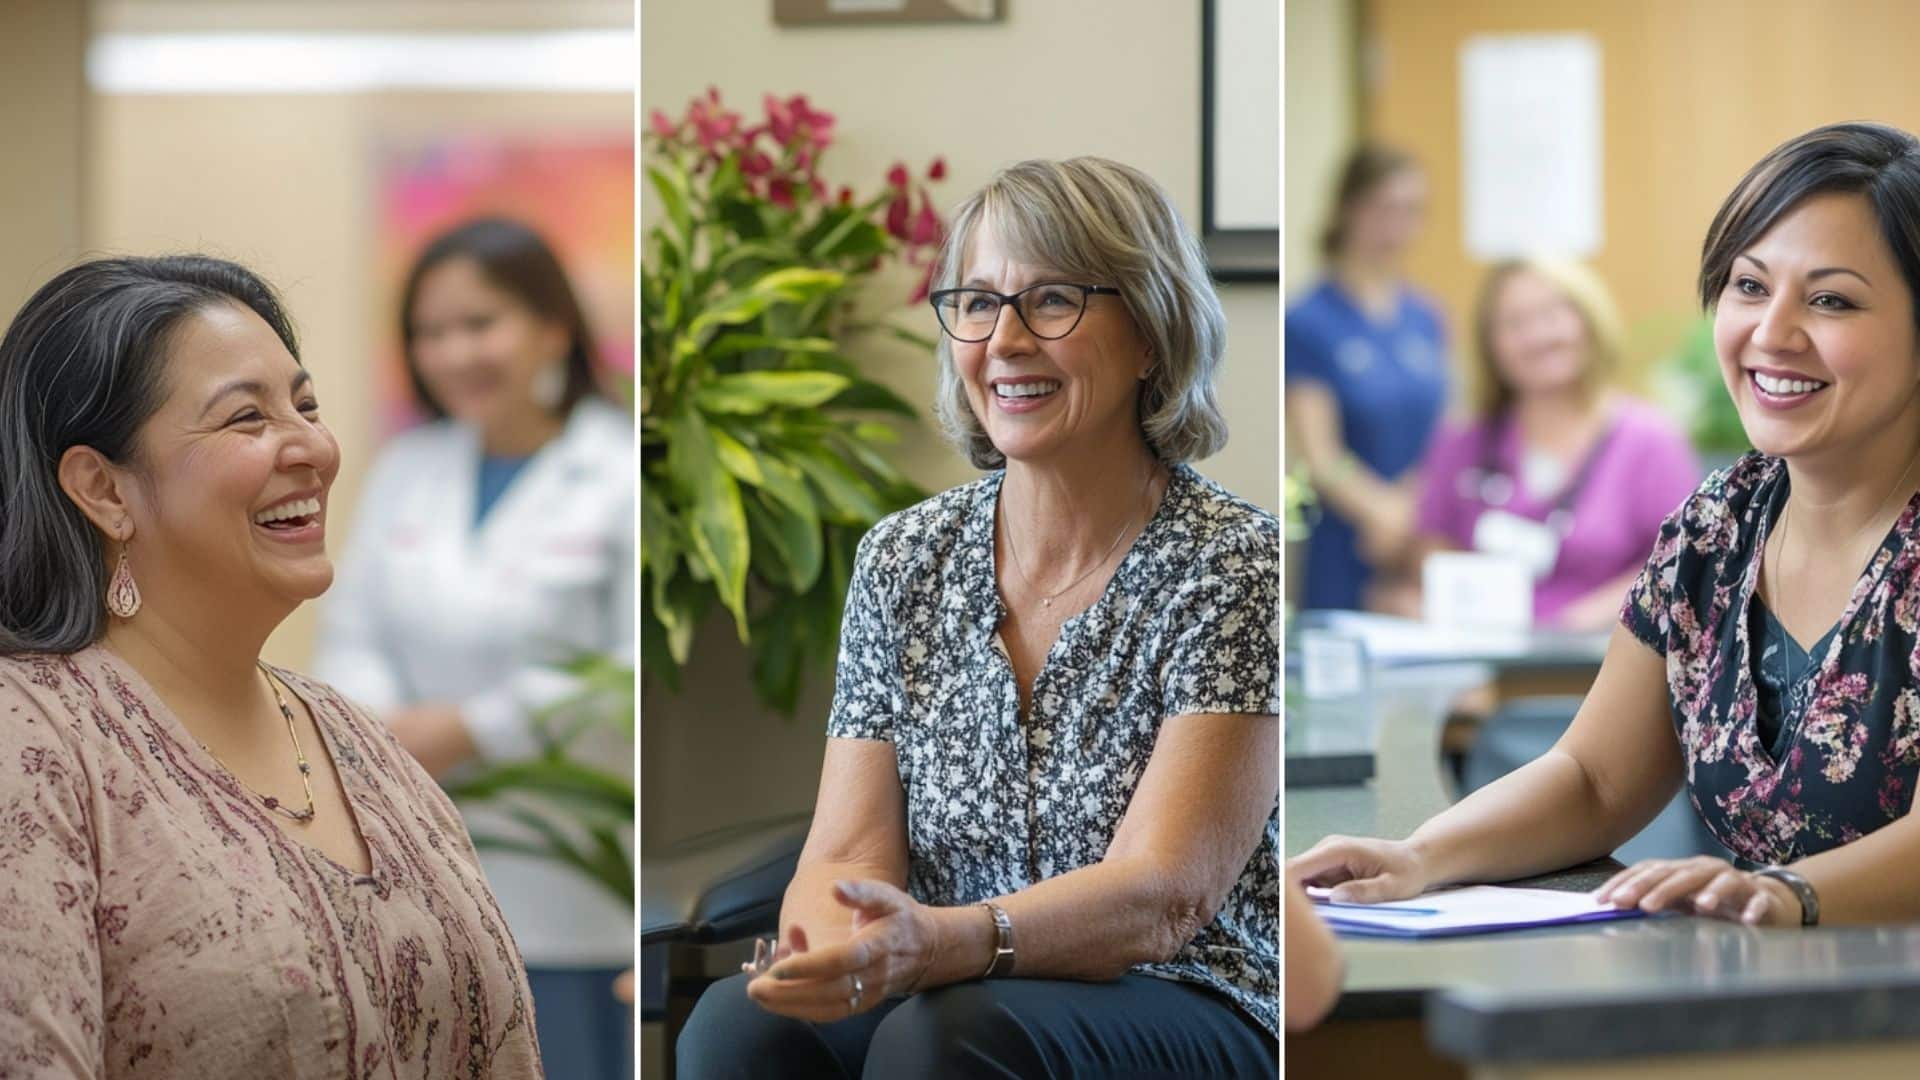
[(762, 458)]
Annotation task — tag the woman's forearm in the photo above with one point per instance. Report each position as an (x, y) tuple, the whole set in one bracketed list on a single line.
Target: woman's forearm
[(1543, 816), (1875, 879), (1092, 924), (809, 901), (1313, 963)]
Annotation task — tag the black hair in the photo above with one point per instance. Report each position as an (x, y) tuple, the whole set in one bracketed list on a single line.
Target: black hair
[(83, 364), (1879, 162), (514, 258)]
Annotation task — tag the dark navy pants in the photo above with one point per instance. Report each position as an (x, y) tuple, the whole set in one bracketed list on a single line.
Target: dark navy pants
[(1026, 1028)]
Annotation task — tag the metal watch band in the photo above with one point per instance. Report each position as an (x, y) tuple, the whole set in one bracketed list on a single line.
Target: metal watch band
[(1002, 963), (1802, 889)]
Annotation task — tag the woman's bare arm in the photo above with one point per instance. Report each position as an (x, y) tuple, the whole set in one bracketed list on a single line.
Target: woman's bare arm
[(1313, 963), (859, 831), (1194, 821), (1875, 879), (1605, 779)]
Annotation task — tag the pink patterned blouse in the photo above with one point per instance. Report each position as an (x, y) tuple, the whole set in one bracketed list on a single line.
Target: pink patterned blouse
[(156, 922)]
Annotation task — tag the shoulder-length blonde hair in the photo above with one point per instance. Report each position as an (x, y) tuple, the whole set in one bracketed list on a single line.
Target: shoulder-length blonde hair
[(1108, 224), (1583, 289)]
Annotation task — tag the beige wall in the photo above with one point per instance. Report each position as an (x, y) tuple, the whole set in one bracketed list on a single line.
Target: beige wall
[(282, 182), (1692, 94), (1321, 124), (1119, 78), (43, 120)]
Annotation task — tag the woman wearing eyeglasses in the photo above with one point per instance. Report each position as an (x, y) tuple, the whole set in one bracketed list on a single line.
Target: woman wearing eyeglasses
[(1046, 839)]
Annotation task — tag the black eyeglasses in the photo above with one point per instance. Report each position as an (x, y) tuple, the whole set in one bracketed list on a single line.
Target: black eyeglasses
[(1050, 310)]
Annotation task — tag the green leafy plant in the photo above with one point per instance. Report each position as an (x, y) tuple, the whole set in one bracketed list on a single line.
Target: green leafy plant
[(582, 817), (762, 456), (1689, 381)]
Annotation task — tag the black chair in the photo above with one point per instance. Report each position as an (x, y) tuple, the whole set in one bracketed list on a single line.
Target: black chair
[(710, 889), (1524, 728)]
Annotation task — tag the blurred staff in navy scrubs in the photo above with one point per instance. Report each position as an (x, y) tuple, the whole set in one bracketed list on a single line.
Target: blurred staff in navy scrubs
[(1366, 373), (492, 545), (1766, 657)]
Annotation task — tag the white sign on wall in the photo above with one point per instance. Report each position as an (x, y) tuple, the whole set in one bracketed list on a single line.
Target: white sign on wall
[(1246, 122), (1530, 144)]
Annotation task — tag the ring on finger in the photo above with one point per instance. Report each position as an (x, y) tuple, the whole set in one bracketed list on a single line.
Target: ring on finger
[(859, 991)]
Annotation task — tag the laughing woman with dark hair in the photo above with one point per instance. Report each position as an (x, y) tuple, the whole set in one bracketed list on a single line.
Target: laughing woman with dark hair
[(209, 866), (1767, 654)]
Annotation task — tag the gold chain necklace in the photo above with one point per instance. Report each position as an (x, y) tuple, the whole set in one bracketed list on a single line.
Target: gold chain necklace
[(306, 768), (1125, 527)]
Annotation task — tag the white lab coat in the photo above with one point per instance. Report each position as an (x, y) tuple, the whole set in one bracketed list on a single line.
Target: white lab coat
[(426, 608)]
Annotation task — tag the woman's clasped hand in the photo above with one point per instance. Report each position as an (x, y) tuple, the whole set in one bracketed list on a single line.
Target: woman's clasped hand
[(888, 955)]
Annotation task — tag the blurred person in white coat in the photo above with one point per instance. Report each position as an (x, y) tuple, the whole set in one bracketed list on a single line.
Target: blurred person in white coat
[(492, 545)]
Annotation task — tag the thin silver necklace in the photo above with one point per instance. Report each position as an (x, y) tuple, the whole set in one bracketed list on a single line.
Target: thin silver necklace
[(1125, 527)]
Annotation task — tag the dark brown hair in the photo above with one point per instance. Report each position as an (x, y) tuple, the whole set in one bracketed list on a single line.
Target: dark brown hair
[(514, 258), (1880, 162), (84, 364), (1369, 166)]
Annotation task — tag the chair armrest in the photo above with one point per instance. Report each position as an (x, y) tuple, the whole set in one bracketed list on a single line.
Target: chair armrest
[(721, 885)]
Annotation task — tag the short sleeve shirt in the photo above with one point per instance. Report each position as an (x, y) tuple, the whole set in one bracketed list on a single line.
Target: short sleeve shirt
[(995, 803), (1390, 382), (1849, 746)]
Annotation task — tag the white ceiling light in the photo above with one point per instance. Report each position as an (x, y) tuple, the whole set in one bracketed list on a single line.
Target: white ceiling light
[(331, 63)]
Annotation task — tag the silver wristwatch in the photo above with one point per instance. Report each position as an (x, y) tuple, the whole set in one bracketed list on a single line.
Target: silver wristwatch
[(1002, 963), (1802, 889)]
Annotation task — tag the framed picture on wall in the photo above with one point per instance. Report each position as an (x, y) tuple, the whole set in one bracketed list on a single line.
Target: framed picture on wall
[(815, 12), (1240, 138)]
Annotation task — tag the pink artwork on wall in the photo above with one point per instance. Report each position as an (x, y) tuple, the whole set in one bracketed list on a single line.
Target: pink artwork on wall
[(576, 191)]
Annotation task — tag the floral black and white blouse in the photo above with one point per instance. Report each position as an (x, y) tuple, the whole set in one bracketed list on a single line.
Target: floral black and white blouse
[(1849, 744), (995, 803)]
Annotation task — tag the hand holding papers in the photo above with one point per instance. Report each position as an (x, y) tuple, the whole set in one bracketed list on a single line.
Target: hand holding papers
[(1477, 909)]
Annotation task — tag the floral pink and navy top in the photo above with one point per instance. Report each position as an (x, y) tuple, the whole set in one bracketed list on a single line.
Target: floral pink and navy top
[(1843, 761), (156, 922)]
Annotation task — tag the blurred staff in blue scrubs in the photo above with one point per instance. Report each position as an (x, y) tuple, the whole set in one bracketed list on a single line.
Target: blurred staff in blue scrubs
[(492, 545), (1366, 376)]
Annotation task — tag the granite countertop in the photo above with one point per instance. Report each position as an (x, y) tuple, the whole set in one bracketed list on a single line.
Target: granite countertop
[(1661, 986), (1668, 985)]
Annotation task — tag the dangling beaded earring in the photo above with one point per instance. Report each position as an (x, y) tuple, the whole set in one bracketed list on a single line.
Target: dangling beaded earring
[(123, 596)]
